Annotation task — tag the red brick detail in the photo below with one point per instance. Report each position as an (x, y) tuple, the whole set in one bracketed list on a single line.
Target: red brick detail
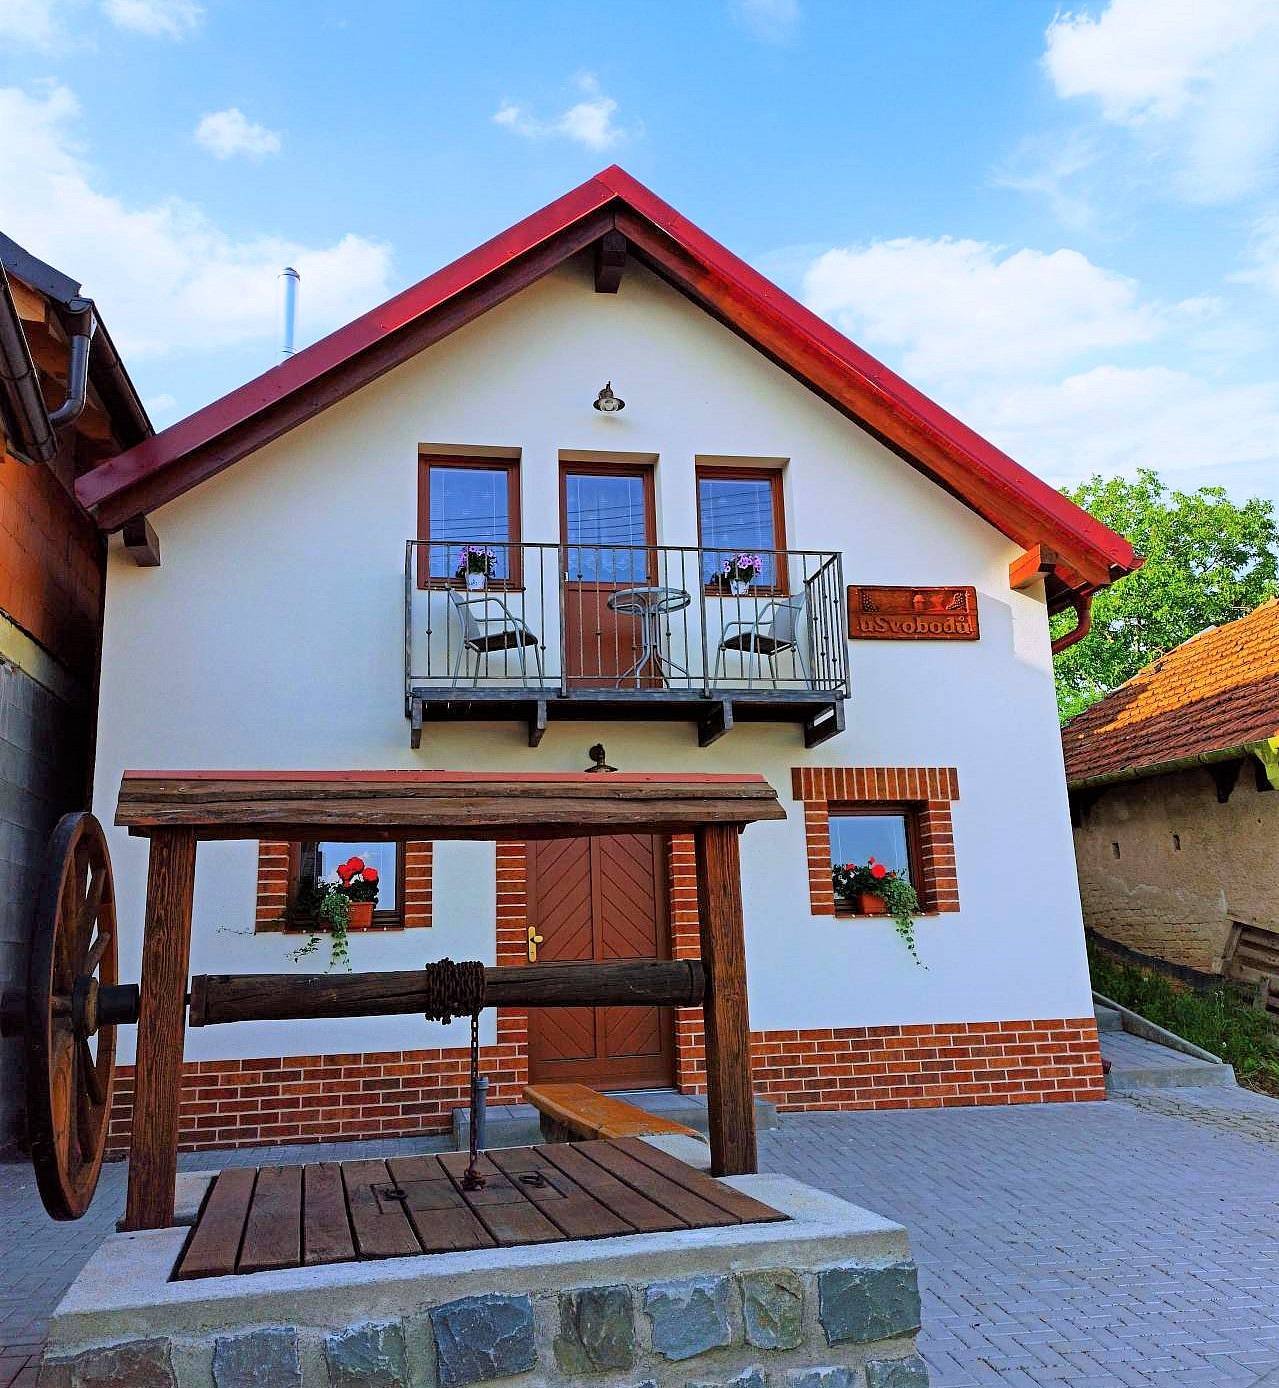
[(239, 1103), (311, 1098), (273, 885), (275, 862), (686, 943), (512, 948), (929, 790), (932, 1065), (418, 862)]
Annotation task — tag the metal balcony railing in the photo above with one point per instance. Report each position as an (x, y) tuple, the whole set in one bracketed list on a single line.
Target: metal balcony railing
[(632, 623)]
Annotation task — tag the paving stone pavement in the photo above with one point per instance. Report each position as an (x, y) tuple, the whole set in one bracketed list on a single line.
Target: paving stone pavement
[(1131, 1242)]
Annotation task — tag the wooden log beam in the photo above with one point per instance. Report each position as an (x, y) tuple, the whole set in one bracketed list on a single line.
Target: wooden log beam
[(610, 262), (730, 1101), (217, 998), (157, 1084)]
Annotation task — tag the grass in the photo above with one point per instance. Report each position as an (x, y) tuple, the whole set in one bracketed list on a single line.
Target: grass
[(1217, 1019)]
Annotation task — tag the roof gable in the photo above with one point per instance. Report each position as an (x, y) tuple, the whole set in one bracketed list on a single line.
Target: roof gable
[(1217, 691), (1019, 504)]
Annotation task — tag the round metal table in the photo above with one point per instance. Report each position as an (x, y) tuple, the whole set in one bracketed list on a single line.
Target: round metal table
[(650, 604)]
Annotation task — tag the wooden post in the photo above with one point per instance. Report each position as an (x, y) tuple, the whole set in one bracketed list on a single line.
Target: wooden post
[(157, 1082), (730, 1100)]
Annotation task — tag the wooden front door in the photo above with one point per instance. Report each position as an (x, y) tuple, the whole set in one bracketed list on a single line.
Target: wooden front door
[(607, 532), (600, 899)]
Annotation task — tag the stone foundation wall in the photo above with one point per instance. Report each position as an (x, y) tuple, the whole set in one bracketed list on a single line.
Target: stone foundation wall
[(849, 1326), (1165, 869)]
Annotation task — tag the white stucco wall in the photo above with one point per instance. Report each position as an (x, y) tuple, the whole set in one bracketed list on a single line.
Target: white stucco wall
[(271, 637)]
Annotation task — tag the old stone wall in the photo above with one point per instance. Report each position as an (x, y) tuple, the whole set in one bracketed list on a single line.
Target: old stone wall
[(1165, 869)]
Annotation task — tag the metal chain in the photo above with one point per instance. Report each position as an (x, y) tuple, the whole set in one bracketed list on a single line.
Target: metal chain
[(474, 1179)]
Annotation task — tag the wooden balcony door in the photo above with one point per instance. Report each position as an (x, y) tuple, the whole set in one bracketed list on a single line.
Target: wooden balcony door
[(605, 509), (600, 899)]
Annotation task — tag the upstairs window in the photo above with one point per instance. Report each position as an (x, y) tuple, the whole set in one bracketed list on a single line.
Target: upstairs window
[(739, 511), (468, 501)]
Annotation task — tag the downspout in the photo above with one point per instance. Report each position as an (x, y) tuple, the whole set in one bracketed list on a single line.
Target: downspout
[(1082, 603), (81, 327)]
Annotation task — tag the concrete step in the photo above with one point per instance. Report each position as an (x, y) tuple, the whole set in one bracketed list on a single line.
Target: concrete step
[(1136, 1063), (1108, 1019), (517, 1125)]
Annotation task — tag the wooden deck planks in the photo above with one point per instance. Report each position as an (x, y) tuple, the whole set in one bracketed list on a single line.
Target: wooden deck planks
[(439, 1215), (575, 1212), (213, 1247), (273, 1231), (380, 1226), (326, 1226), (254, 1220)]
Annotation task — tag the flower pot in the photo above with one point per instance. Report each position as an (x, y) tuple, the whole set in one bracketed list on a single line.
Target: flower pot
[(361, 915), (739, 587), (868, 904), (476, 582)]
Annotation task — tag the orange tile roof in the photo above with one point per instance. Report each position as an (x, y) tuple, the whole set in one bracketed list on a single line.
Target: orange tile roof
[(1220, 689)]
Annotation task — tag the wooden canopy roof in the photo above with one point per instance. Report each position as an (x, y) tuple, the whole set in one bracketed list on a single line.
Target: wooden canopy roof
[(377, 805)]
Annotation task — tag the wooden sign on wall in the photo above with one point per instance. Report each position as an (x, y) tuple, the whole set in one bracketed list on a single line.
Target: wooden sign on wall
[(911, 614)]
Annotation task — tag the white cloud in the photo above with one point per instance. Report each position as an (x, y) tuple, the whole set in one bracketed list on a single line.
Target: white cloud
[(959, 309), (1022, 346), (168, 19), (230, 132), (773, 21), (28, 22), (1263, 255), (1195, 81), (167, 277), (587, 122)]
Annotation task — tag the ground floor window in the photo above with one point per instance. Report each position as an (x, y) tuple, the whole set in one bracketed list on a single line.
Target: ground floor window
[(288, 874), (899, 815)]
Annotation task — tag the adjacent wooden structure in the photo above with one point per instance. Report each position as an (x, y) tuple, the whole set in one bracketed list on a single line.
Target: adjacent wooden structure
[(255, 1220), (177, 809)]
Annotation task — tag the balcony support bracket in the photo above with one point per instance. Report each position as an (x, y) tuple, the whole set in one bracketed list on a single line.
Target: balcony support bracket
[(826, 723), (537, 723), (415, 724), (717, 721)]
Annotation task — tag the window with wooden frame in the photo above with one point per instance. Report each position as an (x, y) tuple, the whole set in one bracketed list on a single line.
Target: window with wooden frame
[(468, 501), (740, 511), (886, 832), (405, 886)]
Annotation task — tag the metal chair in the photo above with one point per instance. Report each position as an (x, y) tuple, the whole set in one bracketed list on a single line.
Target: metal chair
[(775, 629), (494, 628)]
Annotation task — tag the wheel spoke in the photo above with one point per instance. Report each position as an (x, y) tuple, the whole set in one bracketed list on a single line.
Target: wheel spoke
[(93, 901), (98, 949), (89, 1074)]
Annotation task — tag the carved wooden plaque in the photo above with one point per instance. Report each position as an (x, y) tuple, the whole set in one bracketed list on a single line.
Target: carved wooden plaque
[(912, 614)]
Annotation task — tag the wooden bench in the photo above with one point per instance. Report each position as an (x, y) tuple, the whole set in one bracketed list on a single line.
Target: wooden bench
[(575, 1113)]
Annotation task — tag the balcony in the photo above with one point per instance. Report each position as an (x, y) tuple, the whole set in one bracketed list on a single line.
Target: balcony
[(634, 632)]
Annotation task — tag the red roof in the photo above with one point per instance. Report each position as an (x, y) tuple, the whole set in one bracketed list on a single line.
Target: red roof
[(1025, 508), (1217, 691)]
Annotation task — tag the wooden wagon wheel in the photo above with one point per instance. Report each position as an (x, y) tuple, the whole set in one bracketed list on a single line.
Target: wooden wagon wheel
[(73, 954)]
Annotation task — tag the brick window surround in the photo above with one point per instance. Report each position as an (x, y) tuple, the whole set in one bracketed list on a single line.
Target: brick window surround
[(274, 860), (926, 790)]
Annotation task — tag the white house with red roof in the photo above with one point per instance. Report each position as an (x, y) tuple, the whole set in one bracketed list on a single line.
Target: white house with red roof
[(600, 482)]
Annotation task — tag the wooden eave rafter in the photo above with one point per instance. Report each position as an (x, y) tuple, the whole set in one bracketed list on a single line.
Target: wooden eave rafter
[(990, 483)]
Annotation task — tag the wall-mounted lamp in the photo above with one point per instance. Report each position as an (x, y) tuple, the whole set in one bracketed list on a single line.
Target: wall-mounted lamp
[(608, 403)]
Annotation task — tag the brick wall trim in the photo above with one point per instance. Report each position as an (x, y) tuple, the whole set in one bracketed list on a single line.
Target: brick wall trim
[(928, 792)]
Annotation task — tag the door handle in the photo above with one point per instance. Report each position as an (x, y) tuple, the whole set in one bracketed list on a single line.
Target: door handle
[(534, 939)]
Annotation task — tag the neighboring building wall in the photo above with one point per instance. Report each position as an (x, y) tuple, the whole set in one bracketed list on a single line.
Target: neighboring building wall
[(1165, 869), (273, 638), (51, 575)]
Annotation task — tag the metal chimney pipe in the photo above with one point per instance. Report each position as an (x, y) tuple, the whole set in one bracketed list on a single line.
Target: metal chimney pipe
[(289, 278)]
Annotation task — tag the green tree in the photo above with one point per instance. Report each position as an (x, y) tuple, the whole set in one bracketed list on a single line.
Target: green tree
[(1208, 561)]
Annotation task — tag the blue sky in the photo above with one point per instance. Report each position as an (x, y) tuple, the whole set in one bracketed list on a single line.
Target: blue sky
[(1063, 226)]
